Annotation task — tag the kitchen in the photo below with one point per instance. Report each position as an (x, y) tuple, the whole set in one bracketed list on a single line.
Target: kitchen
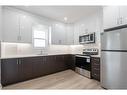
[(45, 47)]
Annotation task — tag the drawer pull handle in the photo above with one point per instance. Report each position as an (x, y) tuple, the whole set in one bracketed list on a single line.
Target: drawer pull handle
[(96, 63), (96, 69)]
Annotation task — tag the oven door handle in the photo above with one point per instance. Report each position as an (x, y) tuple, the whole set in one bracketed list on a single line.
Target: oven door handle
[(83, 56)]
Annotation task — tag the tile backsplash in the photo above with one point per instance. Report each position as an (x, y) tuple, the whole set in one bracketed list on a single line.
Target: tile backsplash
[(8, 49), (16, 49), (13, 49)]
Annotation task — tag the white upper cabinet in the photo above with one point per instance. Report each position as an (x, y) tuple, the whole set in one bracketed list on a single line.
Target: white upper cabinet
[(0, 23), (62, 34), (70, 34), (114, 16), (123, 14), (58, 34), (110, 16), (17, 27), (10, 26), (25, 29)]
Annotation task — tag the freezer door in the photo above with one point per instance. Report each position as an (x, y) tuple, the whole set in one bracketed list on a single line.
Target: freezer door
[(114, 70), (114, 40)]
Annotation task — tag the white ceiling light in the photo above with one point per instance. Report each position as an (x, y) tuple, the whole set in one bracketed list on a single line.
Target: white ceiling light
[(65, 18), (82, 25), (24, 16)]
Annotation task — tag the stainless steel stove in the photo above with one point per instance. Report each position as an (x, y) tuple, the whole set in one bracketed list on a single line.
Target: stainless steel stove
[(83, 62)]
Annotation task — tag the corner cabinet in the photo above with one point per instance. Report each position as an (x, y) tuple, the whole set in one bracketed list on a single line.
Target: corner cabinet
[(58, 34), (15, 26), (114, 16), (62, 34)]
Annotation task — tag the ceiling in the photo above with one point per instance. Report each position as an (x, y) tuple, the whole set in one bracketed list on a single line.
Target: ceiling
[(73, 13)]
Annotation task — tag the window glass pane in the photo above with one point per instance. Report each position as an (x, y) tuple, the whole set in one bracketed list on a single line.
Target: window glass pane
[(39, 43), (39, 34)]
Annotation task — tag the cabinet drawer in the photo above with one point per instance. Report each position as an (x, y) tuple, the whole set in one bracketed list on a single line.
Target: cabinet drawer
[(95, 63), (96, 71), (96, 76), (95, 59), (96, 66)]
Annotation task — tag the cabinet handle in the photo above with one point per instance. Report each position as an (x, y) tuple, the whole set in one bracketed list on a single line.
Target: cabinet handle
[(96, 69), (60, 41), (17, 62), (118, 21), (121, 20), (20, 38), (96, 63)]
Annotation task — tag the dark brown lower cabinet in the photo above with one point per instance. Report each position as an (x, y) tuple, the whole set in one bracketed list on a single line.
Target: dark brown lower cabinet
[(15, 70), (50, 64), (26, 67), (61, 63), (95, 61), (9, 71), (38, 66), (71, 62)]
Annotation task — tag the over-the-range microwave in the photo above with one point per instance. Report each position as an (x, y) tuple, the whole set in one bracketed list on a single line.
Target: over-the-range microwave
[(87, 38)]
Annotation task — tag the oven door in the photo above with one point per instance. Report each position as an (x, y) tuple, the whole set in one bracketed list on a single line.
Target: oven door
[(83, 62)]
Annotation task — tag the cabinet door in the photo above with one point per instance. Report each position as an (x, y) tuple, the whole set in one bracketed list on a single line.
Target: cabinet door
[(25, 29), (10, 26), (111, 16), (38, 66), (58, 34), (9, 71), (71, 62), (1, 23), (50, 65), (123, 15), (26, 67), (60, 62), (70, 34)]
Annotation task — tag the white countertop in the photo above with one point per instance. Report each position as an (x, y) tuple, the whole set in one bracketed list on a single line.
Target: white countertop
[(22, 56), (35, 55)]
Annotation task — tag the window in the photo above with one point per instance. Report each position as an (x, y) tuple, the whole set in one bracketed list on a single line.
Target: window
[(39, 36)]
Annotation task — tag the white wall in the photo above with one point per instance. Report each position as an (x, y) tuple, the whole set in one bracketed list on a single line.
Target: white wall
[(21, 49)]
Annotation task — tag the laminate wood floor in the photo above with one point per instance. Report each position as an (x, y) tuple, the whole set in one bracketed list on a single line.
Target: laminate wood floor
[(63, 80)]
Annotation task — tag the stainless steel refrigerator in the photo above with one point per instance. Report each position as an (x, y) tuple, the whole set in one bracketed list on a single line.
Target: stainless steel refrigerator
[(114, 59)]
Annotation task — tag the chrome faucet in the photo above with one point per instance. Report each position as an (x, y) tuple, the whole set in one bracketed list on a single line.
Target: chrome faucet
[(41, 52)]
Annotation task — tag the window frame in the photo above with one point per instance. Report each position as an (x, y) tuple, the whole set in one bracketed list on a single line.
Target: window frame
[(46, 36)]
